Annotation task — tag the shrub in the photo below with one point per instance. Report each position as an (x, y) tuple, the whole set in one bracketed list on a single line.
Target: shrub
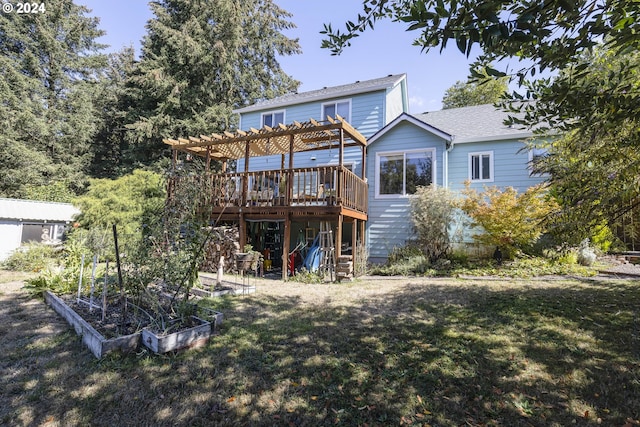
[(131, 202), (432, 213), (403, 261), (509, 220), (32, 257)]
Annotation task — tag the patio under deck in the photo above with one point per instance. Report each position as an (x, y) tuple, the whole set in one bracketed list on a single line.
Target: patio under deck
[(328, 193)]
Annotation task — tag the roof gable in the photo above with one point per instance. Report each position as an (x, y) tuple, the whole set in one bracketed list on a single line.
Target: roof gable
[(405, 117), (326, 93)]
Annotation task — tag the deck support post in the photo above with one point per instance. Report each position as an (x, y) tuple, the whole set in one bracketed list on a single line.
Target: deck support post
[(338, 237), (286, 247), (354, 241)]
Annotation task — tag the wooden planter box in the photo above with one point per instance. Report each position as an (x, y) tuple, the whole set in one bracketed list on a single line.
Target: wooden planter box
[(190, 337), (95, 341)]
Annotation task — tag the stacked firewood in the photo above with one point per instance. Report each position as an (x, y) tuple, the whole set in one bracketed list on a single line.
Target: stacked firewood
[(224, 241)]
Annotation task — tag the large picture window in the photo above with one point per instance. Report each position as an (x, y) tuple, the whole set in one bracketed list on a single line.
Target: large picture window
[(340, 108), (273, 118), (481, 167), (400, 174)]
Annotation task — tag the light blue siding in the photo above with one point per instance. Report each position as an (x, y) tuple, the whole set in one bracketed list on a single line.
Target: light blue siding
[(395, 104), (389, 222), (510, 165), (352, 157), (367, 112), (367, 116)]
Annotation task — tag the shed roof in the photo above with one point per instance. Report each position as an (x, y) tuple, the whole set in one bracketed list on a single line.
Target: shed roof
[(364, 86), (473, 124), (33, 210)]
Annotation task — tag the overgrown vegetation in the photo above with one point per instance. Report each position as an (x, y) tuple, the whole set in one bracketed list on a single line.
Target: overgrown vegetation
[(33, 257), (403, 352), (410, 261)]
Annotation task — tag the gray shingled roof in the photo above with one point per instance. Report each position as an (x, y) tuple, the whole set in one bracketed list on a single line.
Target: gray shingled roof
[(36, 211), (326, 93), (472, 124)]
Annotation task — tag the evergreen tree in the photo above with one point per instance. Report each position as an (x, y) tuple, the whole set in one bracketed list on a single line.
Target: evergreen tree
[(50, 63), (115, 108), (200, 60)]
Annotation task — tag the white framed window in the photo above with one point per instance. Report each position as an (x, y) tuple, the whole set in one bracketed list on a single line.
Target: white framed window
[(401, 173), (341, 108), (535, 154), (481, 166), (272, 118)]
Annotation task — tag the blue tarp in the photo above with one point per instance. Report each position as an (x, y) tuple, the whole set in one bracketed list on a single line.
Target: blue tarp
[(312, 260)]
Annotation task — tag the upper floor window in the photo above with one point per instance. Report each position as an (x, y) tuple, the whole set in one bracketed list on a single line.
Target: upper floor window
[(401, 173), (481, 167), (273, 118), (340, 108)]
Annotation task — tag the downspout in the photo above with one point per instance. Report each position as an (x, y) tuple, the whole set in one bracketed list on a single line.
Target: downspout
[(445, 161)]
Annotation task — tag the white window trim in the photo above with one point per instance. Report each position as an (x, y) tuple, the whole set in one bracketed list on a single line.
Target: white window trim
[(337, 101), (491, 168), (530, 163), (271, 113), (434, 166)]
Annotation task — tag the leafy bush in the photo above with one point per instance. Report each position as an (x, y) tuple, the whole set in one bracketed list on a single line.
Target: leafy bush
[(432, 213), (32, 257), (509, 220)]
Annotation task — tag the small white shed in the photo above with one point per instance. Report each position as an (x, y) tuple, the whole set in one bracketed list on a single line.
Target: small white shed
[(23, 221)]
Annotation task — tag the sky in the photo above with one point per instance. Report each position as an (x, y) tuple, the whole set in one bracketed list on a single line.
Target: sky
[(386, 50)]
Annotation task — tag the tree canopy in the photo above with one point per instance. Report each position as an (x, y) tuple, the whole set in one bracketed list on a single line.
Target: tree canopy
[(474, 92), (200, 60), (50, 64), (553, 35)]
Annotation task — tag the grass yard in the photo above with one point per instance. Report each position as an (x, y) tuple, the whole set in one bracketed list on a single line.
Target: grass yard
[(392, 351)]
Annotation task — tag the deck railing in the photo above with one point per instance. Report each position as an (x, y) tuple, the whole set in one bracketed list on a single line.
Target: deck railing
[(316, 186)]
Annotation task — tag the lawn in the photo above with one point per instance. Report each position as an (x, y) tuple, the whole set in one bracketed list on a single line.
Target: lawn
[(392, 351)]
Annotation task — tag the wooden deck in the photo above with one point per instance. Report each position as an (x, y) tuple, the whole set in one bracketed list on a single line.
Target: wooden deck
[(315, 192), (287, 196)]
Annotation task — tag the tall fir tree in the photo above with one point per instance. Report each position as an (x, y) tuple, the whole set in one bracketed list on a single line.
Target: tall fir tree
[(202, 59), (115, 109), (50, 63)]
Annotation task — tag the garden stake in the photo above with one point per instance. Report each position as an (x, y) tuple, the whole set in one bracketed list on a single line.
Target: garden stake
[(123, 301), (104, 291), (80, 278), (93, 282)]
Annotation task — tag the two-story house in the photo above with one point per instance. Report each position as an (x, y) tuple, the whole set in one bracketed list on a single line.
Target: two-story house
[(351, 156)]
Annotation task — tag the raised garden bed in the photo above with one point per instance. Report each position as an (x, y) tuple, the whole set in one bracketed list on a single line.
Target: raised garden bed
[(163, 342), (101, 338), (97, 343)]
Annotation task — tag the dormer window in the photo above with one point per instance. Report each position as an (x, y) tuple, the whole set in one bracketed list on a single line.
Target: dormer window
[(273, 118), (340, 108)]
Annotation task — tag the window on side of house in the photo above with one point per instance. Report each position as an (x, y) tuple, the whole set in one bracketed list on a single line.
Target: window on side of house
[(535, 155), (481, 167), (273, 118), (401, 173), (340, 108)]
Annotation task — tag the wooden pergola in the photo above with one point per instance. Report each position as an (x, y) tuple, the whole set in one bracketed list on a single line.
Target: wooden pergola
[(287, 193)]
